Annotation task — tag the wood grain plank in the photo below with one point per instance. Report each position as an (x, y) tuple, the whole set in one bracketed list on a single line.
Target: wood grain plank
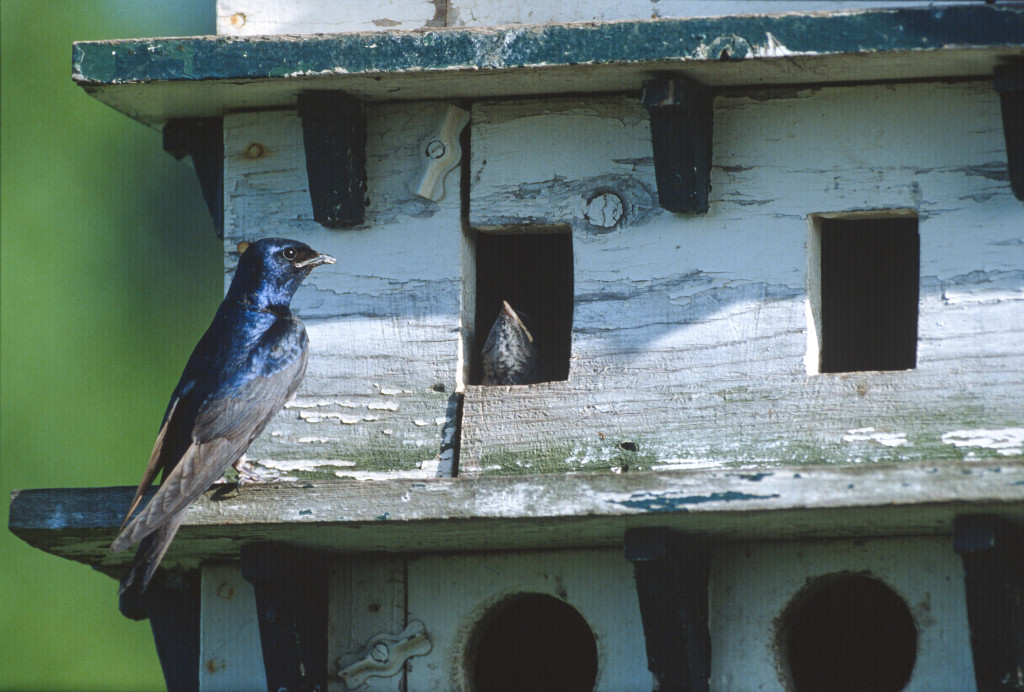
[(691, 340), (383, 321), (537, 512)]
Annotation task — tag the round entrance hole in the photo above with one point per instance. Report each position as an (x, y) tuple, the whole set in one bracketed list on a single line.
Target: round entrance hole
[(533, 642), (848, 633)]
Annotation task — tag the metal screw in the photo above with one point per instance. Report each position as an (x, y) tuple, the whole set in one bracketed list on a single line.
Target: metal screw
[(225, 591), (238, 20), (254, 151), (435, 149), (380, 653)]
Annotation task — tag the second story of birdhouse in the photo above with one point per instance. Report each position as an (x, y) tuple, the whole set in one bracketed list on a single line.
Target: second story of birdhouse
[(737, 239)]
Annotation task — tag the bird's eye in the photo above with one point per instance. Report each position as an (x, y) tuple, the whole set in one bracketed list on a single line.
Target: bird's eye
[(289, 253)]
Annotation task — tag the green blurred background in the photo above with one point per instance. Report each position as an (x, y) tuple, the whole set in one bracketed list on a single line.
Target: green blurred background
[(110, 272)]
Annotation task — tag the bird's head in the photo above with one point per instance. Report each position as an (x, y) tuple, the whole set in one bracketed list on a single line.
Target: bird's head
[(271, 269)]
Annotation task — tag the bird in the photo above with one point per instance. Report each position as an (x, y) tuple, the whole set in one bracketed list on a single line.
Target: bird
[(246, 366), (510, 354)]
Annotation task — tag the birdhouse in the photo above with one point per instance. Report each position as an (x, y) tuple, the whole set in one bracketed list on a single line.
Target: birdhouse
[(670, 345)]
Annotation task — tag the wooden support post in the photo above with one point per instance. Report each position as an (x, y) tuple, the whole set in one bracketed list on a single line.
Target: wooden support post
[(1008, 81), (682, 117), (671, 572), (203, 140), (992, 550), (334, 136), (291, 601), (172, 605)]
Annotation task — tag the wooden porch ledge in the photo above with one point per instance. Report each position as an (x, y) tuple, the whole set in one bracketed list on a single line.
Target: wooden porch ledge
[(153, 80), (530, 512)]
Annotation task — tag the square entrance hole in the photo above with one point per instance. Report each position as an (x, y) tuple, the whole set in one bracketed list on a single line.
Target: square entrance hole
[(864, 278), (533, 272)]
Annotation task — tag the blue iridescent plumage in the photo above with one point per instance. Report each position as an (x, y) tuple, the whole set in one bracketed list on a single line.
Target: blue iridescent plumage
[(246, 366)]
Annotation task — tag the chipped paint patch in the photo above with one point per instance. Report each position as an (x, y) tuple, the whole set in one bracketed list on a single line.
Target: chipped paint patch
[(1007, 442), (319, 403), (386, 406), (882, 438), (678, 464), (653, 502)]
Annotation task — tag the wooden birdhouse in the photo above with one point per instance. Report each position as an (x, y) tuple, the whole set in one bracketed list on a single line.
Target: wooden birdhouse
[(770, 256)]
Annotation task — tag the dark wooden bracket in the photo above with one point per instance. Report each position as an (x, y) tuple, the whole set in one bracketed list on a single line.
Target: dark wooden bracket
[(203, 140), (992, 550), (334, 135), (172, 604), (291, 602), (671, 572), (682, 117), (1008, 81)]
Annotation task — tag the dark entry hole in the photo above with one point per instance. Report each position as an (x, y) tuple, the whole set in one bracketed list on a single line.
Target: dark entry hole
[(870, 273), (534, 273), (848, 633), (533, 642)]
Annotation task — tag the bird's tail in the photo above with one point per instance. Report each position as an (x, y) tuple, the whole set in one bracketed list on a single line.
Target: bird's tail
[(151, 550)]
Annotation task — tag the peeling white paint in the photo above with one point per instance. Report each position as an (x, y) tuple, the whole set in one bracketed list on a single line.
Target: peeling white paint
[(319, 403), (302, 464), (392, 391), (670, 464), (1007, 442), (882, 438), (773, 48), (386, 406)]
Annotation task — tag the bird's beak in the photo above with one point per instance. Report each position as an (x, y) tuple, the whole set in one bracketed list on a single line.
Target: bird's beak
[(316, 261), (512, 313)]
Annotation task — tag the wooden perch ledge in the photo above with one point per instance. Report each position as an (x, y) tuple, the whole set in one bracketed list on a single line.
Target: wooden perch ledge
[(551, 511)]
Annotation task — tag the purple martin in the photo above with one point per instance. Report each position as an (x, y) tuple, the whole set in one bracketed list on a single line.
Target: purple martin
[(246, 366), (510, 355)]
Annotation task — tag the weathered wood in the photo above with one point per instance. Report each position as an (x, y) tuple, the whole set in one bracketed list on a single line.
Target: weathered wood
[(153, 80), (752, 584), (334, 138), (172, 604), (1009, 84), (231, 657), (487, 12), (681, 117), (202, 139), (992, 551), (260, 17), (367, 598), (691, 339), (383, 322), (291, 589), (452, 593), (550, 511), (671, 572)]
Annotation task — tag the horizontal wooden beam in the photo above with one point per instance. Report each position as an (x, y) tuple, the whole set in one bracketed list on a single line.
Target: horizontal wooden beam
[(153, 80), (531, 512)]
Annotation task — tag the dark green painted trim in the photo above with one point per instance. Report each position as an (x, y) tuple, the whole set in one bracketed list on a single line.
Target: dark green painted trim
[(554, 45)]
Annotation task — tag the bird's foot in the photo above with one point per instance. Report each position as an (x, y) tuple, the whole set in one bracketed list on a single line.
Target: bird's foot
[(248, 474)]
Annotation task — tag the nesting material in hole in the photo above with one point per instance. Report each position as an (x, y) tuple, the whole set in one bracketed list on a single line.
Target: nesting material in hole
[(532, 642), (533, 273), (847, 633)]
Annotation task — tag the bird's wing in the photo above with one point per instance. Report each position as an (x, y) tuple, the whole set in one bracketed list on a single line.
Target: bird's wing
[(155, 463), (224, 427)]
